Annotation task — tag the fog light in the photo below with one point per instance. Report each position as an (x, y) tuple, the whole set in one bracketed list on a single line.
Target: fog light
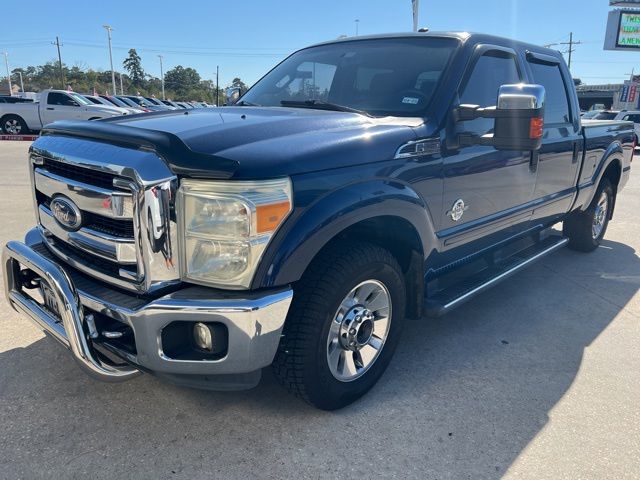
[(202, 336)]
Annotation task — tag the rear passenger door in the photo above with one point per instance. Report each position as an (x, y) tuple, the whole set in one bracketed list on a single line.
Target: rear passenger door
[(558, 160)]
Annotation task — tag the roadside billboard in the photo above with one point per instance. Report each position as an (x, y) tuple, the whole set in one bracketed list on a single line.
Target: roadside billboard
[(623, 30)]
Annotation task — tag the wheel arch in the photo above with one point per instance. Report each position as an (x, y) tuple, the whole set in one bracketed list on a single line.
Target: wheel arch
[(387, 213), (610, 167)]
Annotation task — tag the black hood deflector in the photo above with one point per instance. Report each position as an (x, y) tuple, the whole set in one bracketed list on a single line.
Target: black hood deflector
[(180, 158)]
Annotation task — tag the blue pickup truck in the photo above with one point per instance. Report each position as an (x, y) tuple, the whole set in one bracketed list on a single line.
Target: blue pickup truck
[(359, 183)]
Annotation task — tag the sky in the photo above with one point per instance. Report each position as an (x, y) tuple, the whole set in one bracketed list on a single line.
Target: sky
[(247, 38)]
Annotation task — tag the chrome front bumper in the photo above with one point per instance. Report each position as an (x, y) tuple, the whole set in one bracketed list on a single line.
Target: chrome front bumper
[(254, 320)]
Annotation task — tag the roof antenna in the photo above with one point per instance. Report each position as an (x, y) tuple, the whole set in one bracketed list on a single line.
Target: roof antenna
[(423, 30)]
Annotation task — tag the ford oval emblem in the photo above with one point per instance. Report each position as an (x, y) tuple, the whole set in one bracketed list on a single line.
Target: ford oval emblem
[(66, 213)]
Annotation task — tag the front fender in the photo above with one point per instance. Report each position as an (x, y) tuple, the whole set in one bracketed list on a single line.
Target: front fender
[(308, 230)]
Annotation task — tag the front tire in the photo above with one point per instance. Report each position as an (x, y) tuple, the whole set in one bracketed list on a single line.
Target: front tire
[(343, 326), (585, 229)]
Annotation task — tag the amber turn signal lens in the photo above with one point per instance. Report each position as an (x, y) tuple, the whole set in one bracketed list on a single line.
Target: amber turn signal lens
[(270, 216), (535, 127)]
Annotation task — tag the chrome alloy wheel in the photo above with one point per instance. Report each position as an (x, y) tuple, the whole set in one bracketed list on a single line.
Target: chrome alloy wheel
[(359, 330), (12, 126), (600, 215)]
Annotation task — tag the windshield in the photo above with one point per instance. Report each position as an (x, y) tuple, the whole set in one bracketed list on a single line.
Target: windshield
[(128, 102), (605, 116), (116, 101), (80, 99), (396, 76), (140, 101), (590, 114)]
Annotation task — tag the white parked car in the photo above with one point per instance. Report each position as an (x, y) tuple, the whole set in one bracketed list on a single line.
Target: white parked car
[(97, 100), (51, 105), (631, 116)]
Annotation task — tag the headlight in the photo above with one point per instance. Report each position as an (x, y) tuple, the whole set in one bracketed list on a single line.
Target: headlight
[(225, 227)]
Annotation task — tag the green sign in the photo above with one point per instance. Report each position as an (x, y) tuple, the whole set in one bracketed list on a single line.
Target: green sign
[(629, 30)]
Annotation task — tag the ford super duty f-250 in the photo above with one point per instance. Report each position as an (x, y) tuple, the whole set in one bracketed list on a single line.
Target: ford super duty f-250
[(358, 183)]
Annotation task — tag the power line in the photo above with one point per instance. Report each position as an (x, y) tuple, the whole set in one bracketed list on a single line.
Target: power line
[(182, 52)]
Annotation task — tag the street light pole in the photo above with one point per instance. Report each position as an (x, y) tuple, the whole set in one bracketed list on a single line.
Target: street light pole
[(6, 64), (162, 76), (217, 85), (21, 84), (113, 74), (357, 23), (121, 88)]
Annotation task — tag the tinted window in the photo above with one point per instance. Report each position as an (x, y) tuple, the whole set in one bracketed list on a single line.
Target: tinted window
[(395, 76), (490, 72), (556, 108), (634, 117), (57, 98), (604, 116)]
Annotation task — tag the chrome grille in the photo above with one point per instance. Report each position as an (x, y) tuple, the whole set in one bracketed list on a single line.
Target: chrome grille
[(94, 177), (125, 200)]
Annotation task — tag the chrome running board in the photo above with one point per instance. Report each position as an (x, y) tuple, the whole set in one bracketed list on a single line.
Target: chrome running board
[(446, 300)]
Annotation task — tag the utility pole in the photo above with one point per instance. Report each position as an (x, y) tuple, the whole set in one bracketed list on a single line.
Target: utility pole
[(21, 84), (162, 76), (571, 43), (415, 4), (631, 75), (121, 89), (6, 64), (113, 74), (357, 20), (217, 85), (58, 44)]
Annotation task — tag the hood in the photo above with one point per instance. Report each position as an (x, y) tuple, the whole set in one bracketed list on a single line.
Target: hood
[(272, 142), (106, 109)]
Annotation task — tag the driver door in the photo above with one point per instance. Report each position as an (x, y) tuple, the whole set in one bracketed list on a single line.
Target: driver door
[(487, 192), (60, 106)]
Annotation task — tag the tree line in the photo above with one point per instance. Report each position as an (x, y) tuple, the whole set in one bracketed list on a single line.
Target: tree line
[(181, 83)]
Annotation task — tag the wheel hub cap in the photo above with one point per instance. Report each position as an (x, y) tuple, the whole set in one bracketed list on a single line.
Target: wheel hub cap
[(12, 127), (359, 330), (356, 328)]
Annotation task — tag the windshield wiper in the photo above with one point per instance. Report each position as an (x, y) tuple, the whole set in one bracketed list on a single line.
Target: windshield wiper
[(319, 104)]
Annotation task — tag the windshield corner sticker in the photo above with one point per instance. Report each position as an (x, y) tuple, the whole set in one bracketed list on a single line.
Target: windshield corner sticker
[(458, 209), (410, 100)]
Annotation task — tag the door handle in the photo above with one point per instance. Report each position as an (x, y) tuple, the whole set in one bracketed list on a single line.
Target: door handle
[(50, 108)]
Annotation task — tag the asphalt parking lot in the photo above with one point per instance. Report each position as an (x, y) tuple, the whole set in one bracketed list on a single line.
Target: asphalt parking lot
[(538, 379)]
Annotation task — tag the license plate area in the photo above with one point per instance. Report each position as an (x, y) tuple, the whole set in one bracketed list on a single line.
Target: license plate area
[(49, 299)]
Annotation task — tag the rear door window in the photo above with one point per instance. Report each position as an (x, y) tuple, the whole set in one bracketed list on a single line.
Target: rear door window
[(556, 109)]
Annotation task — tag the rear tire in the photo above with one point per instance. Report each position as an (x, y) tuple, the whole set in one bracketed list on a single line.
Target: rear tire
[(327, 354), (14, 125), (585, 229)]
